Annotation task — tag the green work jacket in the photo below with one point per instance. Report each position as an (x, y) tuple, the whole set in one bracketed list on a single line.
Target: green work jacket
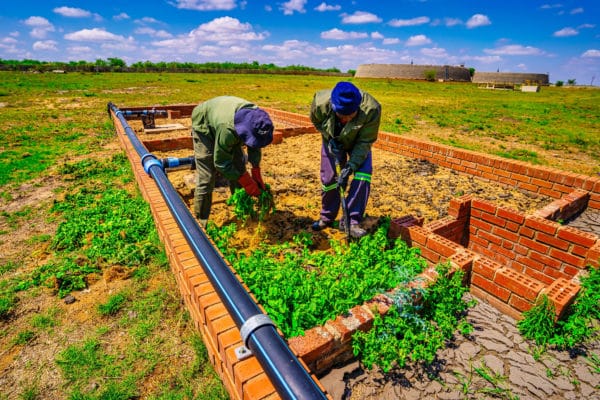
[(214, 117), (358, 135)]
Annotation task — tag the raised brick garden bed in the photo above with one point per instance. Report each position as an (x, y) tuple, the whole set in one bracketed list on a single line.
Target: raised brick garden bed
[(510, 258)]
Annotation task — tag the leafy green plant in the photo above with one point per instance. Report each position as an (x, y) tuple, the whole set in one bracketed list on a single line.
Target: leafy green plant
[(415, 331), (301, 289), (246, 206), (579, 323)]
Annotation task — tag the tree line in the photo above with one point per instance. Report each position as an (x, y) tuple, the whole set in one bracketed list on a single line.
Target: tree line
[(118, 65)]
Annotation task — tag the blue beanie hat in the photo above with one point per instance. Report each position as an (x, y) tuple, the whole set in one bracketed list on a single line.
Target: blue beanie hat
[(345, 98), (254, 127)]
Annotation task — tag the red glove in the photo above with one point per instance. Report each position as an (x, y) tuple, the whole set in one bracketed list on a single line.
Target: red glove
[(249, 184), (258, 178)]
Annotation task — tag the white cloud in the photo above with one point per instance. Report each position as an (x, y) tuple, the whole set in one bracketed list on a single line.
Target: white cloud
[(478, 20), (226, 30), (592, 53), (72, 12), (45, 45), (388, 41), (578, 10), (162, 34), (360, 17), (40, 27), (79, 50), (147, 20), (435, 52), (418, 40), (93, 35), (398, 23), (205, 5), (327, 7), (452, 21), (485, 59), (514, 50), (566, 32), (550, 6), (376, 35), (121, 17), (291, 6), (337, 34), (38, 22)]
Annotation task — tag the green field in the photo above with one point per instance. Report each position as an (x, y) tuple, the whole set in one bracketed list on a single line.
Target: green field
[(63, 179)]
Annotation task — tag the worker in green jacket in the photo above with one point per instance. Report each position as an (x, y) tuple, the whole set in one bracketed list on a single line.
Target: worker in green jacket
[(221, 127), (348, 119)]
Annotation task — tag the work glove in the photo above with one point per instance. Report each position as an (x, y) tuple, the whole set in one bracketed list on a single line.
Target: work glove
[(249, 184), (344, 176), (336, 149), (257, 177)]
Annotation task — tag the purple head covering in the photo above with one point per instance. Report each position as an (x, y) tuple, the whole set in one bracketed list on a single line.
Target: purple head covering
[(254, 127)]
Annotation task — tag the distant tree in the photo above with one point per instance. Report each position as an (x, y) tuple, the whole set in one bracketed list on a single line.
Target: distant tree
[(116, 63), (571, 82), (559, 83), (430, 75), (352, 72), (471, 71)]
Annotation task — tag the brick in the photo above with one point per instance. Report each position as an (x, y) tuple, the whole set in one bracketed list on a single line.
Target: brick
[(277, 137), (593, 256), (481, 225), (490, 237), (533, 245), (493, 219), (577, 236), (312, 344), (441, 245), (541, 225), (495, 302), (463, 260), (527, 261), (483, 205), (506, 234), (518, 283), (490, 287), (418, 234), (511, 215), (258, 388), (562, 293), (245, 370), (568, 258), (519, 303), (552, 241), (546, 260), (226, 339)]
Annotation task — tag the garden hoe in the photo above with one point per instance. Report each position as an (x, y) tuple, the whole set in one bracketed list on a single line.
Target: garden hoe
[(345, 216)]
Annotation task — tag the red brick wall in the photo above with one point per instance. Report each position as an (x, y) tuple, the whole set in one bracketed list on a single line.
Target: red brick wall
[(550, 182)]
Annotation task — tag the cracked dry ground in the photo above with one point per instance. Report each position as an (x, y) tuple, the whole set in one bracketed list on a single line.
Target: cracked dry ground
[(402, 186)]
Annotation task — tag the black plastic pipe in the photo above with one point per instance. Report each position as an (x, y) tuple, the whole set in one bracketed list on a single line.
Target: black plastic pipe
[(285, 371), (177, 163)]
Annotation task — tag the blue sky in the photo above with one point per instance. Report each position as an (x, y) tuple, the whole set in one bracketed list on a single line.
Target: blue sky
[(558, 37)]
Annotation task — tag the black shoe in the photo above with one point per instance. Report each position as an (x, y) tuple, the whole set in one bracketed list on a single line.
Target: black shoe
[(320, 225)]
